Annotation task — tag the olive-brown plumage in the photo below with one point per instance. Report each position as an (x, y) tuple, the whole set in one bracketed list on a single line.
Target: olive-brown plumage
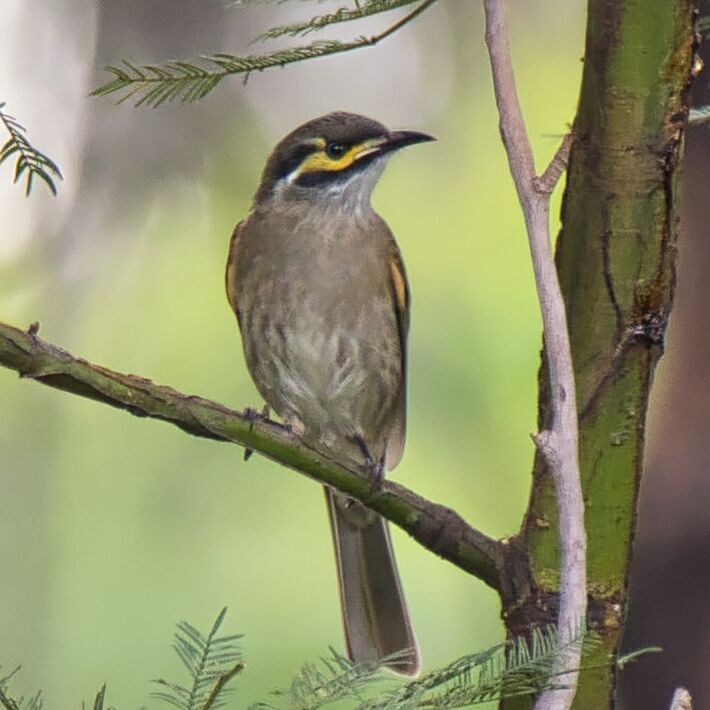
[(319, 289)]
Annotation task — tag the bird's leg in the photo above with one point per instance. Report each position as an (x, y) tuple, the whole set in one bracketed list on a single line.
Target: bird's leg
[(378, 474), (375, 469), (294, 424), (252, 414)]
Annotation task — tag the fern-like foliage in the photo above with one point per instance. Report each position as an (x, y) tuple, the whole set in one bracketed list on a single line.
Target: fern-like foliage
[(212, 661), (333, 678), (36, 702), (99, 700), (153, 84), (188, 81), (520, 667), (7, 702), (28, 160), (343, 14)]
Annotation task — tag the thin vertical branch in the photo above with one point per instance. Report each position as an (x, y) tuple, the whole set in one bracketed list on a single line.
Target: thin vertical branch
[(557, 444)]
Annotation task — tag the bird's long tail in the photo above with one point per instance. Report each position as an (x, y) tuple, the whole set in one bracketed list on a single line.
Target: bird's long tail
[(375, 617)]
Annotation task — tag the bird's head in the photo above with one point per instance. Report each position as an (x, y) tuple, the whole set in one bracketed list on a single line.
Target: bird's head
[(337, 156)]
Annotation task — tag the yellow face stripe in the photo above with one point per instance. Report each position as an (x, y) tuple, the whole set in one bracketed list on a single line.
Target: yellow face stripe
[(320, 161)]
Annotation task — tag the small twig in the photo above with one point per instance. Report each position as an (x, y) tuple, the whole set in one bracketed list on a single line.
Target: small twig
[(402, 22), (681, 700), (548, 180), (558, 445), (223, 679)]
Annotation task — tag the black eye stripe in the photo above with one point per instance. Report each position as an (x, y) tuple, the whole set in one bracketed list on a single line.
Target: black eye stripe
[(324, 177), (287, 166), (334, 150)]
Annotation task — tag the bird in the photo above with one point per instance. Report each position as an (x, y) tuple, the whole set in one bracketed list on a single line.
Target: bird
[(317, 283)]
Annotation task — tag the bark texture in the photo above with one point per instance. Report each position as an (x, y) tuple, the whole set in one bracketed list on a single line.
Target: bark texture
[(616, 262)]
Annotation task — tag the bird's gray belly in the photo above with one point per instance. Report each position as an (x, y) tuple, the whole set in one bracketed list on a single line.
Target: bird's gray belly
[(329, 356)]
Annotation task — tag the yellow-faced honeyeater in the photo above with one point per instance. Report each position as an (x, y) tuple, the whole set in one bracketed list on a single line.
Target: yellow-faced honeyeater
[(318, 286)]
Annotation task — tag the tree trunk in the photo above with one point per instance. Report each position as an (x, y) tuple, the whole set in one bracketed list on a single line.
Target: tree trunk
[(616, 260)]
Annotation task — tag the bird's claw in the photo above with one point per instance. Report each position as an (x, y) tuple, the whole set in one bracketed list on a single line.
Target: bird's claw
[(377, 475), (252, 414), (375, 469)]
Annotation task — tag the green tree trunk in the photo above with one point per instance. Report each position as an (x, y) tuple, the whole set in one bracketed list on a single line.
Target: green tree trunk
[(616, 260)]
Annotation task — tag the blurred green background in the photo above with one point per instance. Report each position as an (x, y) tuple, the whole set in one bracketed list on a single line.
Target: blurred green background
[(113, 528)]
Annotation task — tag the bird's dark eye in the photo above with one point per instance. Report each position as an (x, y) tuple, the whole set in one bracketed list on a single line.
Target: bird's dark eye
[(335, 150)]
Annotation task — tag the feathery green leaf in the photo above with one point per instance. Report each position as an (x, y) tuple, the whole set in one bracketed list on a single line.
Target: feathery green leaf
[(188, 81), (623, 661), (521, 667), (343, 14), (212, 661), (153, 85), (35, 702), (331, 679), (28, 158)]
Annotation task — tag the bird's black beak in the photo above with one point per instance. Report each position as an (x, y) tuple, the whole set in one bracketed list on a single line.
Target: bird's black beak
[(395, 140)]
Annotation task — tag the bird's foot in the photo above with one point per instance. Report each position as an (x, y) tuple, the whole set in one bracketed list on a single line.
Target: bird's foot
[(252, 414), (294, 425), (377, 475), (375, 469)]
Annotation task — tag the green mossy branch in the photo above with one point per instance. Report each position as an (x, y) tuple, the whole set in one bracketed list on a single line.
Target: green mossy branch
[(434, 526)]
